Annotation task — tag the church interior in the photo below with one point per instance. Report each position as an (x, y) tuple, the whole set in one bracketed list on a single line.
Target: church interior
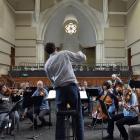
[(106, 31)]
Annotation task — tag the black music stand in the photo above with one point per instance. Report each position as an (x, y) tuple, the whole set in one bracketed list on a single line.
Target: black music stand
[(92, 91), (36, 102), (14, 108), (136, 84)]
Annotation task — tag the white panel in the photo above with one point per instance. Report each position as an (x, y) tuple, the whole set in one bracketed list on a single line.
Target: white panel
[(23, 19), (116, 33), (25, 52), (133, 21), (26, 43), (114, 52), (117, 20), (136, 60), (7, 23), (5, 59), (3, 70), (25, 33), (20, 60), (4, 47), (135, 48), (116, 61), (111, 43)]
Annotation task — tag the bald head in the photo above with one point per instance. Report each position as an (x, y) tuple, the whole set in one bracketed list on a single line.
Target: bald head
[(40, 84)]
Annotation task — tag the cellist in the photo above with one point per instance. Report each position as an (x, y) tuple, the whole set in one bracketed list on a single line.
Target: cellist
[(106, 95)]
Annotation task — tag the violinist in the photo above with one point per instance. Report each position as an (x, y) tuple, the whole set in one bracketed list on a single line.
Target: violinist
[(5, 106), (127, 117), (42, 110), (115, 80), (108, 98), (4, 109)]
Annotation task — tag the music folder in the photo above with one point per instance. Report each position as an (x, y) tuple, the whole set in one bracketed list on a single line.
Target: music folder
[(52, 95)]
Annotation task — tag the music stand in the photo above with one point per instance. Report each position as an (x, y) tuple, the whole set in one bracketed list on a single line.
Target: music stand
[(136, 84), (92, 91), (14, 108), (36, 101)]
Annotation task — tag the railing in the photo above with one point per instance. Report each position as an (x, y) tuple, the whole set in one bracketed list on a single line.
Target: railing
[(83, 67)]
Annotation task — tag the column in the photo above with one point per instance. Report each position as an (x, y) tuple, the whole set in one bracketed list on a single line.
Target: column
[(99, 52), (105, 10), (37, 10), (40, 51)]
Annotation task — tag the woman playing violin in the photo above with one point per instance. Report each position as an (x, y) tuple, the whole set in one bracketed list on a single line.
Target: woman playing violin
[(127, 117)]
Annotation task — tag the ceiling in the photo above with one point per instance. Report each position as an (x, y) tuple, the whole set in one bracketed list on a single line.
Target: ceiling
[(29, 5)]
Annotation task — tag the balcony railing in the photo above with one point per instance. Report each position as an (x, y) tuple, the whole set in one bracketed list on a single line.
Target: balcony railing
[(83, 67)]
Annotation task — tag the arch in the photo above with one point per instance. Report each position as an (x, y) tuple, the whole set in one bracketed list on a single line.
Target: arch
[(91, 14)]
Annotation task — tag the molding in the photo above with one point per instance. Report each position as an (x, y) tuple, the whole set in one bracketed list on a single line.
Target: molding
[(24, 39), (114, 57), (131, 6), (9, 5), (138, 53), (23, 25), (25, 46), (116, 47), (114, 40), (1, 64), (117, 13), (130, 45), (7, 41), (24, 12), (5, 53), (25, 56)]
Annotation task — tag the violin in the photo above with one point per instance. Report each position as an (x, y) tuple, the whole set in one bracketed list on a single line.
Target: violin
[(127, 94), (41, 92)]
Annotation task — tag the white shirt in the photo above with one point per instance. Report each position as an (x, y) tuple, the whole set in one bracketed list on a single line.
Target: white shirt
[(59, 67)]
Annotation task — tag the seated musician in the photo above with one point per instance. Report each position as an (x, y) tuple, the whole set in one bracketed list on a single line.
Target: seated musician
[(108, 98), (127, 117), (4, 109), (115, 80), (42, 110), (5, 106)]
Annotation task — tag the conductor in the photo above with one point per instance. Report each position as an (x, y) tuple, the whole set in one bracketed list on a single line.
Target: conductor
[(60, 72)]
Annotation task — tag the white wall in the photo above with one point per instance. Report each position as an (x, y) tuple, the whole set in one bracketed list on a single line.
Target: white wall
[(7, 36), (133, 36), (25, 50)]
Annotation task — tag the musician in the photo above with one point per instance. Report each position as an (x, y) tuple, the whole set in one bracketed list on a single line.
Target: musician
[(5, 106), (106, 95), (60, 72), (4, 109), (128, 116), (42, 110), (115, 80)]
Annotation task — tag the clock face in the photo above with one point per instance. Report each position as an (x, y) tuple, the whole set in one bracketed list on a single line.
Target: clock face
[(71, 28)]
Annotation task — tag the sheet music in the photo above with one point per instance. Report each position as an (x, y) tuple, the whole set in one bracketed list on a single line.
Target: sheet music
[(52, 94), (83, 95)]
